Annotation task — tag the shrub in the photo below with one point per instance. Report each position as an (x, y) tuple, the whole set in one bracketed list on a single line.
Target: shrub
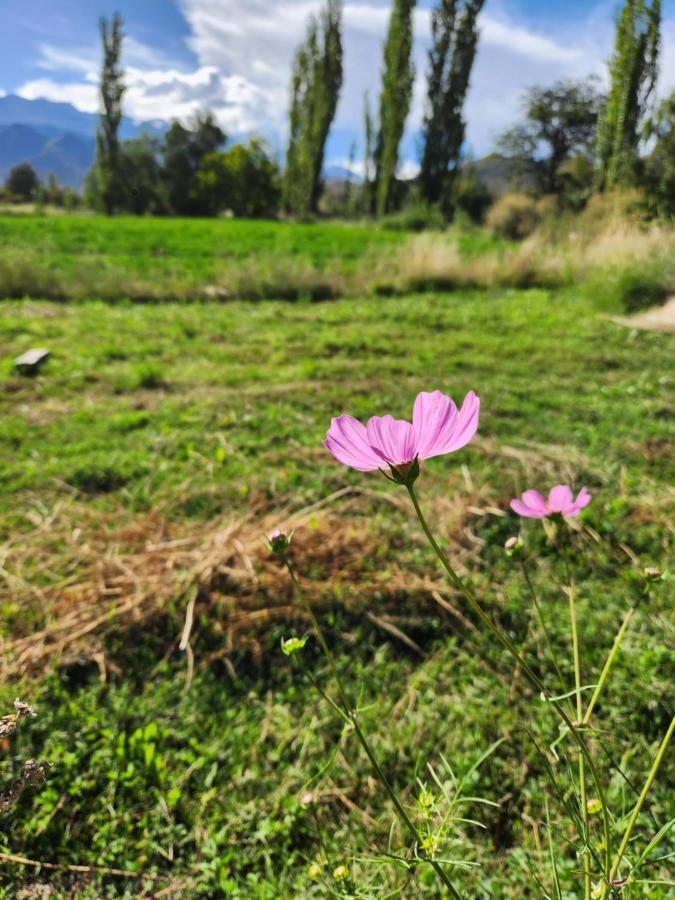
[(416, 216), (514, 216)]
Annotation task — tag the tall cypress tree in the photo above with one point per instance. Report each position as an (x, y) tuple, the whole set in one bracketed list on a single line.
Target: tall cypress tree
[(368, 194), (315, 90), (454, 37), (398, 77), (633, 74), (108, 165)]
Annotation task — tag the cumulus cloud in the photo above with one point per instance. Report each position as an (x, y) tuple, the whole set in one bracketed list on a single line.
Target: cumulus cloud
[(243, 51)]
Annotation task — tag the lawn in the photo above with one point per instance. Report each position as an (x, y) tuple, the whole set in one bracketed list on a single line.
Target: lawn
[(180, 420)]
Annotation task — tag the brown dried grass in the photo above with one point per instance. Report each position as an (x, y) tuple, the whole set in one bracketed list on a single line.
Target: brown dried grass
[(133, 574)]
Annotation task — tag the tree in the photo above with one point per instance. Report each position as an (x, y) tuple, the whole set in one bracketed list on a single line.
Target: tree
[(633, 72), (243, 179), (368, 188), (398, 78), (109, 174), (22, 182), (660, 164), (562, 119), (183, 153), (142, 177), (454, 36), (315, 89)]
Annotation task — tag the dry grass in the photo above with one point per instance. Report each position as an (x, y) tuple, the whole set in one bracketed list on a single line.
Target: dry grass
[(126, 577), (591, 251)]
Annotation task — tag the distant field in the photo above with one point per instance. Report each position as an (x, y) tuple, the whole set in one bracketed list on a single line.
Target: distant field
[(180, 255), (163, 423), (81, 257)]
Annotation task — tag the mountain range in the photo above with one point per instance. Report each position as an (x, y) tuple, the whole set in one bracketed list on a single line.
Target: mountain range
[(55, 137), (60, 139)]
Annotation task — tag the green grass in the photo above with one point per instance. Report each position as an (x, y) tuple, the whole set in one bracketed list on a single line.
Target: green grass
[(183, 254), (204, 412)]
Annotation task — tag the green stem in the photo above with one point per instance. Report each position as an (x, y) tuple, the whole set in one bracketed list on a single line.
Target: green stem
[(547, 636), (351, 714), (608, 665), (641, 799), (580, 712), (532, 677)]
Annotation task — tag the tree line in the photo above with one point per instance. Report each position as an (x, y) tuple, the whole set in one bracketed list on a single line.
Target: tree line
[(574, 139)]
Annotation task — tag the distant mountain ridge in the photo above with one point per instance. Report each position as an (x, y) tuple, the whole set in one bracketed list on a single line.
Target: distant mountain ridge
[(56, 137)]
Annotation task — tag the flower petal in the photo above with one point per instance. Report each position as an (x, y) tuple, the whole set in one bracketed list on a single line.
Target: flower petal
[(535, 501), (439, 428), (523, 510), (393, 439), (347, 441), (560, 498), (583, 498), (433, 419)]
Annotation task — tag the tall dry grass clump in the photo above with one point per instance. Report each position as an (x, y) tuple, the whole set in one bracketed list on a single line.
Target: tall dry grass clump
[(622, 262)]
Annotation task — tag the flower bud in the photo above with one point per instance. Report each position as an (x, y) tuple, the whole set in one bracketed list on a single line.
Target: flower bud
[(340, 873), (279, 542), (513, 545), (651, 573), (293, 644)]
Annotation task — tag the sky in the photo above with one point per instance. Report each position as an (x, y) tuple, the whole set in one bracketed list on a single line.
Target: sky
[(233, 57)]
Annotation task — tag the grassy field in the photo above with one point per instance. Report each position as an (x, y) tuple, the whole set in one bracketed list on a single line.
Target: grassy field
[(152, 428), (144, 258)]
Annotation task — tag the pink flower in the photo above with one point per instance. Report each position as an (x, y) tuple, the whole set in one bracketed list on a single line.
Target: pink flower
[(534, 506), (437, 428)]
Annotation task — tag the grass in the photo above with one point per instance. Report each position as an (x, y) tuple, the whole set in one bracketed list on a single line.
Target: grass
[(192, 416), (75, 257), (624, 264)]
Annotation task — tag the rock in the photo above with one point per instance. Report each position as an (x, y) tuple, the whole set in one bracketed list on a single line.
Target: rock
[(29, 363)]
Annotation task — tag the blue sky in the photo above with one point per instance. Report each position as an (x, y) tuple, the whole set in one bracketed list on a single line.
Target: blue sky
[(233, 56)]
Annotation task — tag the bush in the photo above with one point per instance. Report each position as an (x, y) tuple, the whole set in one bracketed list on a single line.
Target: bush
[(514, 216), (416, 216)]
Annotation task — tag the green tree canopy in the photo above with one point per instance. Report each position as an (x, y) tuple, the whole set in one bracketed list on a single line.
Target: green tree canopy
[(184, 150), (398, 77), (560, 122), (660, 164), (454, 36), (22, 182), (633, 73), (243, 179), (111, 89), (315, 89)]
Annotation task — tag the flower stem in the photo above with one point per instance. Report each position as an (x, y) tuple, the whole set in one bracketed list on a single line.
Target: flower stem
[(641, 799), (532, 677), (547, 636), (580, 712), (608, 665), (351, 714)]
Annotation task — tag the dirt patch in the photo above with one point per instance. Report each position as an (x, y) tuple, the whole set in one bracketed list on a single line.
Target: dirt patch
[(148, 573), (658, 318)]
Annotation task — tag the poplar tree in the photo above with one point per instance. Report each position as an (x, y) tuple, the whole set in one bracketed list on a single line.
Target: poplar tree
[(367, 194), (633, 71), (108, 165), (315, 89), (398, 77), (454, 37)]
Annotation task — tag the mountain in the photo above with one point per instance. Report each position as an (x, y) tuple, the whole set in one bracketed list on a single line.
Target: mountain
[(341, 173), (67, 155), (501, 174), (56, 137), (58, 118)]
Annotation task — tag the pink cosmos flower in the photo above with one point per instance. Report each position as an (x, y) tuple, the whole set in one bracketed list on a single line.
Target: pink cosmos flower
[(533, 505), (437, 427)]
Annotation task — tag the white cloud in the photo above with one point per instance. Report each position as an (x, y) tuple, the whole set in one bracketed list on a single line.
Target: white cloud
[(83, 96), (244, 48)]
